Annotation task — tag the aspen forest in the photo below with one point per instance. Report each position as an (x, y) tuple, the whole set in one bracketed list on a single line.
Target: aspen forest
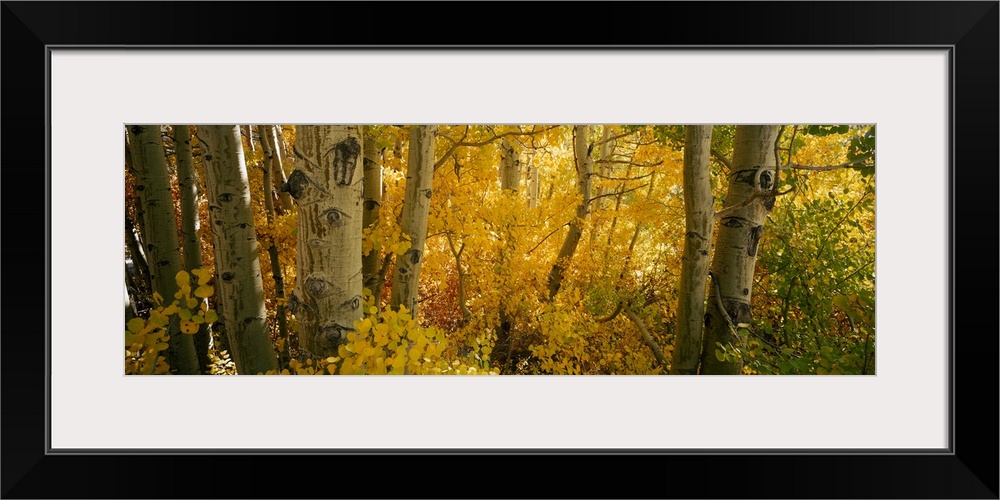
[(546, 249)]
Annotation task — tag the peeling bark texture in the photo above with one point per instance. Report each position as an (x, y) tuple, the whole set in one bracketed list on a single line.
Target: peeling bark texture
[(241, 287), (510, 167), (327, 187), (163, 252), (736, 244), (371, 262), (190, 222), (271, 162), (699, 217), (584, 165), (416, 207)]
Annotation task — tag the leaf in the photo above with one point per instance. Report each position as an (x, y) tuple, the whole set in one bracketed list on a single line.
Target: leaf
[(192, 302), (204, 291), (189, 326), (157, 318), (157, 298), (211, 316), (184, 314), (183, 279), (135, 325), (204, 275), (840, 301)]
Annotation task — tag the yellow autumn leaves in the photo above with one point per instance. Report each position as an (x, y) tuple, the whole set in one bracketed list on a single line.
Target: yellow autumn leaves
[(145, 339)]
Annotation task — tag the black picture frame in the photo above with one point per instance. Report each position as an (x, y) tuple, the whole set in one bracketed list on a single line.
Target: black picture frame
[(967, 470)]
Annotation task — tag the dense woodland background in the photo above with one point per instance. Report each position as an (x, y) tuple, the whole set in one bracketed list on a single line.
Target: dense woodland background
[(500, 249)]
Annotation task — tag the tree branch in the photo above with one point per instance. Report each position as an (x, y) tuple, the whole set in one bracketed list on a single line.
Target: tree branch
[(596, 174), (647, 338), (722, 159), (545, 238), (832, 167), (629, 162), (616, 193), (613, 315)]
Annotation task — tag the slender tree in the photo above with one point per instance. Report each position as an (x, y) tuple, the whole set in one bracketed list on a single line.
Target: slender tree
[(278, 177), (510, 167), (699, 220), (240, 287), (327, 187), (189, 226), (740, 228), (271, 162), (162, 246), (584, 168), (371, 262), (416, 207)]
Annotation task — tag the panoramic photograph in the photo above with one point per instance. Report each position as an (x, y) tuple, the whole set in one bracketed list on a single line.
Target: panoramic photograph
[(499, 249)]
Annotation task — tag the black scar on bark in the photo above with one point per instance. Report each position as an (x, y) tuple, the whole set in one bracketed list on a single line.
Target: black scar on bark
[(755, 233), (732, 222), (769, 203), (745, 176), (738, 311), (225, 198), (163, 263), (704, 252), (136, 129), (335, 217), (140, 187), (353, 304), (345, 159), (296, 184), (371, 204), (415, 256), (332, 334), (208, 157), (765, 179), (228, 276), (319, 287), (708, 320), (428, 194), (746, 291)]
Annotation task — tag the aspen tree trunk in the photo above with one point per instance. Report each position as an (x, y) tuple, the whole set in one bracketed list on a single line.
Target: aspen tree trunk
[(416, 207), (509, 182), (271, 162), (533, 185), (162, 247), (510, 167), (584, 165), (604, 153), (699, 216), (189, 227), (278, 177), (327, 187), (240, 286), (371, 263), (736, 245)]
